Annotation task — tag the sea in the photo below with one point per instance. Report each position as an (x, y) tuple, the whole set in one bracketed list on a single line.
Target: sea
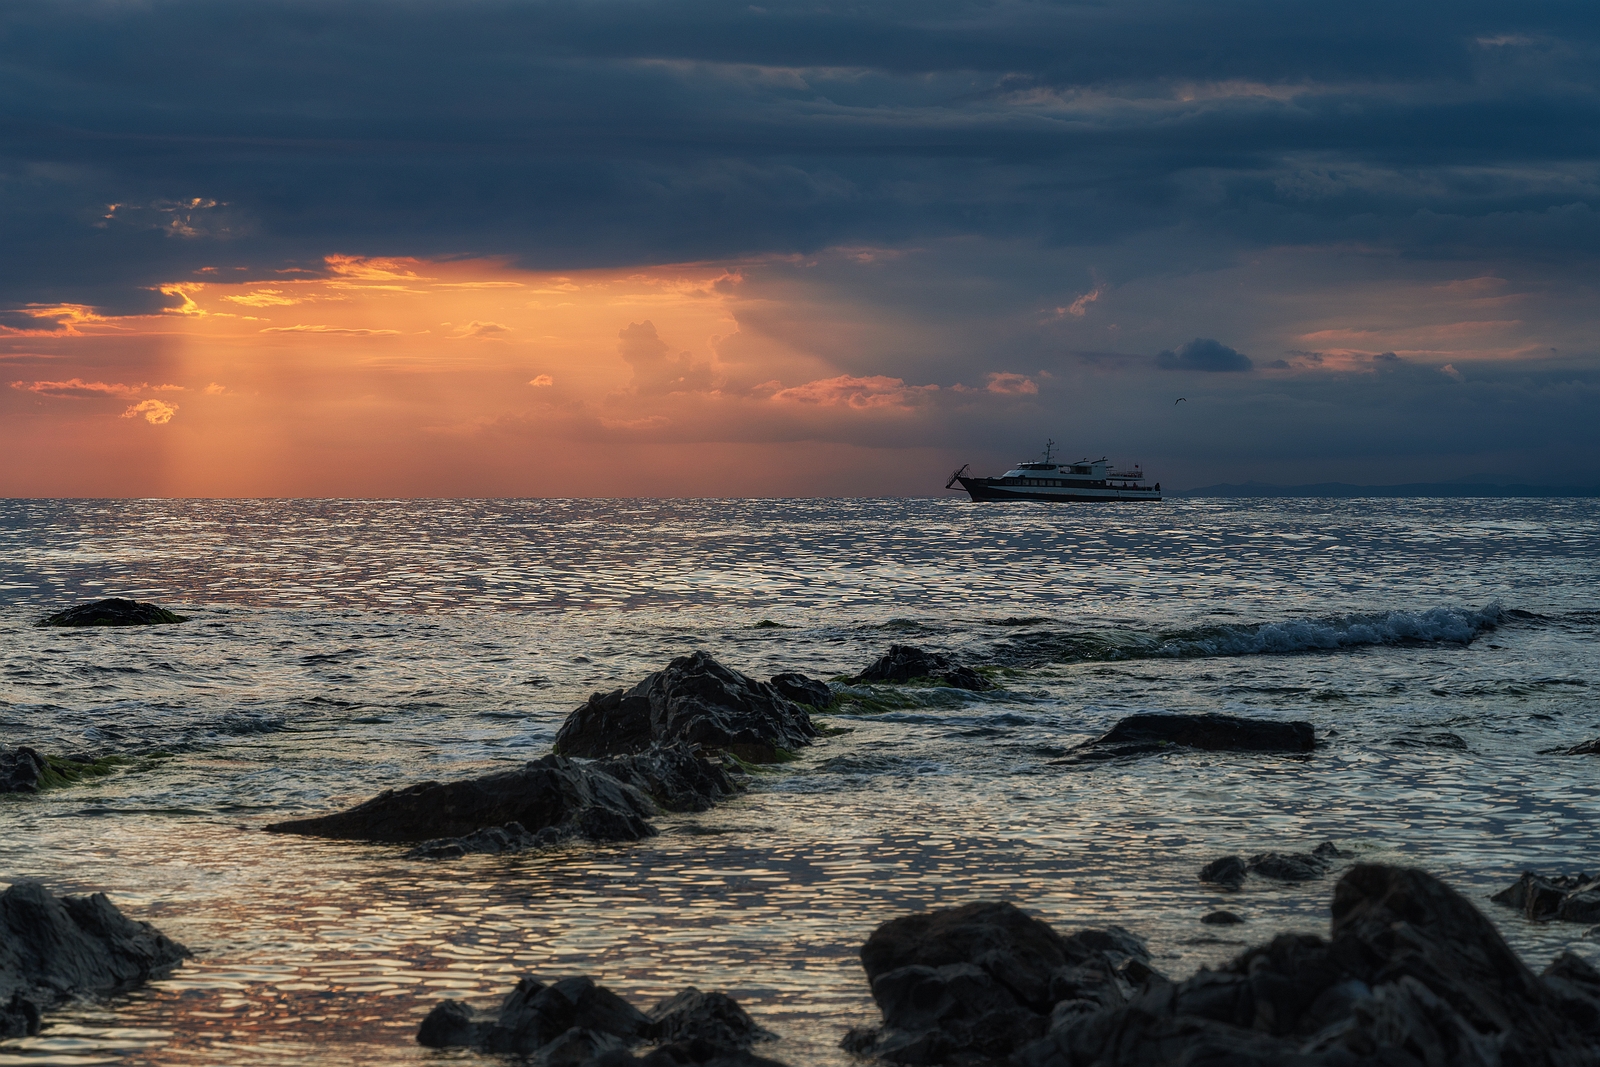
[(1444, 649)]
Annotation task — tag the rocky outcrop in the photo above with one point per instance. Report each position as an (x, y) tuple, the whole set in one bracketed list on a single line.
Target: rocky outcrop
[(803, 690), (1230, 871), (575, 1021), (576, 799), (694, 700), (54, 948), (1140, 735), (1584, 748), (982, 980), (22, 770), (1412, 975), (1568, 897), (112, 612), (907, 663), (674, 776)]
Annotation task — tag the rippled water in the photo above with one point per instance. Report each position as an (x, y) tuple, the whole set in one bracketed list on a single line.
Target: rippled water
[(338, 648)]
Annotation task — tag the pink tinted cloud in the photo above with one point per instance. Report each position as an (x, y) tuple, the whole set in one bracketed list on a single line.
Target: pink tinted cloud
[(1011, 384), (877, 391)]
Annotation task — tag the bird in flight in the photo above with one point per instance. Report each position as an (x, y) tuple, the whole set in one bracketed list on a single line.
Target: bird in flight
[(1178, 401)]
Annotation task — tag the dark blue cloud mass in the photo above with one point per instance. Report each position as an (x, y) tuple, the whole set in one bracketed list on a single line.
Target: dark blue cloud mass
[(1203, 354), (568, 135)]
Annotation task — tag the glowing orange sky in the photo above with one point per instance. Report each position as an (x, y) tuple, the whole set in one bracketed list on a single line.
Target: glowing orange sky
[(402, 377)]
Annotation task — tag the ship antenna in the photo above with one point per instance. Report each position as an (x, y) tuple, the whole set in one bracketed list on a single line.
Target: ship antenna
[(1049, 446)]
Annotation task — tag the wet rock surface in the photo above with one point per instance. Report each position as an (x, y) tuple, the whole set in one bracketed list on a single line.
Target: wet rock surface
[(1565, 897), (1411, 975), (674, 775), (1221, 918), (982, 980), (22, 770), (576, 799), (1231, 871), (693, 700), (574, 1020), (1141, 735), (1583, 748), (113, 612), (907, 663), (54, 948), (802, 689)]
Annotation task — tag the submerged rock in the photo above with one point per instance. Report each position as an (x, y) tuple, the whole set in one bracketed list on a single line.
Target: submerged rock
[(980, 981), (1583, 748), (1221, 918), (1569, 898), (803, 690), (1411, 975), (113, 612), (1230, 871), (54, 948), (694, 700), (674, 776), (907, 663), (574, 1021), (576, 799), (491, 840), (1140, 735)]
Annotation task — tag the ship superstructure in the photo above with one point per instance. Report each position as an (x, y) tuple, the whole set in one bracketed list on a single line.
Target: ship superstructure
[(1085, 480)]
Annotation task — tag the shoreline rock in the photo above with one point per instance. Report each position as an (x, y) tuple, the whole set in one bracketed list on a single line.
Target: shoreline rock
[(695, 700), (574, 1020), (1230, 871), (1573, 898), (1140, 735), (1410, 975), (907, 663), (55, 948), (114, 611), (26, 770)]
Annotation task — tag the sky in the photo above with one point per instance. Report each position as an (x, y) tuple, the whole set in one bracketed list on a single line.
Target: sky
[(399, 249)]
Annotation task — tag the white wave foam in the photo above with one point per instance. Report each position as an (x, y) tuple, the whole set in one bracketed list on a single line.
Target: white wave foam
[(1457, 625)]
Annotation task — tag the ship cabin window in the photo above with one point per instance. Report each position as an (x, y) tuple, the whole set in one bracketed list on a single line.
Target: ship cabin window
[(1080, 470)]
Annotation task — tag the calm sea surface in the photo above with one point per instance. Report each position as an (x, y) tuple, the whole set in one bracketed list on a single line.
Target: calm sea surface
[(338, 648)]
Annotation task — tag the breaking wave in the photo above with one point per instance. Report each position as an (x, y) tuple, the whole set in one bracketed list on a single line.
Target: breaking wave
[(1449, 625)]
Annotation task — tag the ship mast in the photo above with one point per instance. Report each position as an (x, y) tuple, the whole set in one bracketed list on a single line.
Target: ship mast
[(1049, 447)]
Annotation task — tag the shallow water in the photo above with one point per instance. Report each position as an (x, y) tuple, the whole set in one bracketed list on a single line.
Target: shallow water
[(339, 648)]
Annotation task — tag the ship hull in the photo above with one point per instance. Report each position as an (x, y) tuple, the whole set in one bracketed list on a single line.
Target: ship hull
[(989, 489)]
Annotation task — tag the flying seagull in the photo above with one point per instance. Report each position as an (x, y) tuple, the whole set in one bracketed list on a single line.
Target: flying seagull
[(1178, 401)]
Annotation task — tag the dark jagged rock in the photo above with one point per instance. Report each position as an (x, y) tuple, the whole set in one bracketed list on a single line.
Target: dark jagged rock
[(981, 980), (1567, 897), (1230, 871), (549, 792), (907, 663), (1443, 740), (22, 770), (1411, 975), (1140, 735), (53, 948), (1584, 748), (112, 612), (673, 775), (573, 1021), (1221, 918), (695, 700), (712, 1017), (803, 690)]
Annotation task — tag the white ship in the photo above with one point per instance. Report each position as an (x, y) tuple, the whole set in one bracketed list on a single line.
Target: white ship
[(1087, 479)]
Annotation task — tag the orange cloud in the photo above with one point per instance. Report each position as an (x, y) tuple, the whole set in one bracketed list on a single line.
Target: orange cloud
[(263, 298), (877, 391), (155, 412), (78, 389), (361, 331), (1011, 384), (542, 381), (481, 329)]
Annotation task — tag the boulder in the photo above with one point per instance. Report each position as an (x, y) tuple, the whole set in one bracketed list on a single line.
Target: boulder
[(983, 979), (1221, 918), (694, 700), (906, 663), (112, 612), (22, 770), (575, 1021), (674, 775), (576, 799), (1411, 975), (1140, 735), (1566, 897), (54, 948), (803, 690), (1230, 871), (1584, 748)]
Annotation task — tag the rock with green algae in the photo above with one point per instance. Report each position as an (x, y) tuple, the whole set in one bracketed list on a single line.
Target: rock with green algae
[(115, 611)]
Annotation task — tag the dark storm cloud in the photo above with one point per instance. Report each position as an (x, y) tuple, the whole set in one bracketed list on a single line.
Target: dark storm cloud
[(267, 134), (1204, 354)]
